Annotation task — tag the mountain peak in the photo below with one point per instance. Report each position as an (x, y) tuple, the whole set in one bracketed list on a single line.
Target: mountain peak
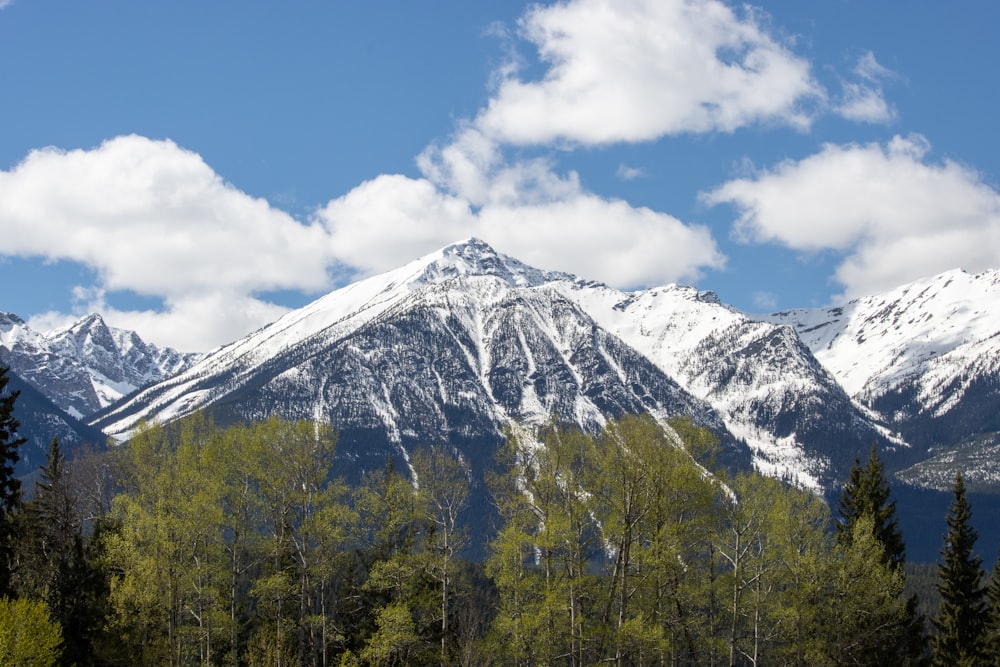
[(475, 257)]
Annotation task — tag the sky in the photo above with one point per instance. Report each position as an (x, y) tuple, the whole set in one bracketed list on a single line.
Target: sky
[(193, 170)]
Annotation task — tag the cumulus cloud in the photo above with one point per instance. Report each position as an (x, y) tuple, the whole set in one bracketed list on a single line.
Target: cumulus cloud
[(387, 221), (894, 214), (636, 70), (153, 218)]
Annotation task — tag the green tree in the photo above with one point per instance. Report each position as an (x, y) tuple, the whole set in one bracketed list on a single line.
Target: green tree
[(55, 566), (542, 554), (10, 486), (863, 606), (960, 620), (991, 628), (28, 635), (867, 494), (169, 552), (443, 493)]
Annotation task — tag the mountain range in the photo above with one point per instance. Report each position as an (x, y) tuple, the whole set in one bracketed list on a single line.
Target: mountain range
[(465, 342)]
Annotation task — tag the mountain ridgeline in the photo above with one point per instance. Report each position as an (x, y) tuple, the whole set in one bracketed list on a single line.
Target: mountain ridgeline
[(462, 344)]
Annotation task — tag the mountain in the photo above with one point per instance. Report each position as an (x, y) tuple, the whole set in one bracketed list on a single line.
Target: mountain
[(461, 343), (770, 390), (925, 359), (86, 366), (41, 420), (453, 347)]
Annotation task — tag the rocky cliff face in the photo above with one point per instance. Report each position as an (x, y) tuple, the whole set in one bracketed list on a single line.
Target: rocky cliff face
[(87, 365)]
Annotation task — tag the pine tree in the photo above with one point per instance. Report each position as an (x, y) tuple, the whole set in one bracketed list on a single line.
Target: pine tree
[(991, 631), (867, 494), (10, 486), (54, 565), (962, 613)]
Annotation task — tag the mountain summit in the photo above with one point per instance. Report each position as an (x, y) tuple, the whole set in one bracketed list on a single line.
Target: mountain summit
[(461, 343)]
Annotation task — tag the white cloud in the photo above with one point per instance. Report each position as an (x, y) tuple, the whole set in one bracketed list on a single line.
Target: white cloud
[(153, 218), (765, 301), (895, 215), (606, 240), (864, 101), (392, 219), (627, 173), (636, 70)]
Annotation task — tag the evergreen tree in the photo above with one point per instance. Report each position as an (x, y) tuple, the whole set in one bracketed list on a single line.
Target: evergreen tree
[(54, 564), (962, 614), (991, 631), (867, 493), (10, 486)]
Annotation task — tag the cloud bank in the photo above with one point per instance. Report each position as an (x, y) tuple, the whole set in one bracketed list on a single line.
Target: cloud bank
[(637, 70), (895, 215), (153, 218)]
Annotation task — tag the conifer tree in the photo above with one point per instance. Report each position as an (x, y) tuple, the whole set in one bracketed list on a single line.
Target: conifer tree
[(10, 486), (962, 614), (991, 630), (867, 492)]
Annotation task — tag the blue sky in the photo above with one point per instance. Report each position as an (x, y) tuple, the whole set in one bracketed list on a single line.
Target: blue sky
[(192, 170)]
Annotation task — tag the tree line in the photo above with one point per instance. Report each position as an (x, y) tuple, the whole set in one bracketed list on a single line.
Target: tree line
[(198, 545)]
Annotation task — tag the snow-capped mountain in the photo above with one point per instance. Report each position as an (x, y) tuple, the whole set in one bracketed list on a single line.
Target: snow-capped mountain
[(458, 344), (768, 387), (452, 347), (925, 357), (87, 365), (40, 420)]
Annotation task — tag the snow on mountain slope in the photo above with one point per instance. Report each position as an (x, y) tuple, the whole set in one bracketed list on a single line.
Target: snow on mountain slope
[(87, 365), (935, 333), (469, 334), (335, 315), (517, 350), (765, 384)]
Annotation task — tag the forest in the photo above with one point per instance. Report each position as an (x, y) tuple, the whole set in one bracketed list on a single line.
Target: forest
[(199, 545)]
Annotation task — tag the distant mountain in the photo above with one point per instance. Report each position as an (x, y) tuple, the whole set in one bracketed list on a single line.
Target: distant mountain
[(925, 359), (41, 421), (461, 343), (770, 390), (86, 366), (451, 348)]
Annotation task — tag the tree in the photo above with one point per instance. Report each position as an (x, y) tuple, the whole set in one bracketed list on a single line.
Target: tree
[(991, 630), (55, 566), (867, 494), (962, 614), (28, 636), (443, 492), (10, 486)]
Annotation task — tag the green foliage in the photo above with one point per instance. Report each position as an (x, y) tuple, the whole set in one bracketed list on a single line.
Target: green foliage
[(866, 499), (867, 493), (28, 635), (960, 621), (239, 546), (10, 486)]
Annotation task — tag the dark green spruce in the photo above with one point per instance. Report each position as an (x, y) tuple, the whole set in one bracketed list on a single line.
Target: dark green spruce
[(962, 615), (10, 486), (867, 493)]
